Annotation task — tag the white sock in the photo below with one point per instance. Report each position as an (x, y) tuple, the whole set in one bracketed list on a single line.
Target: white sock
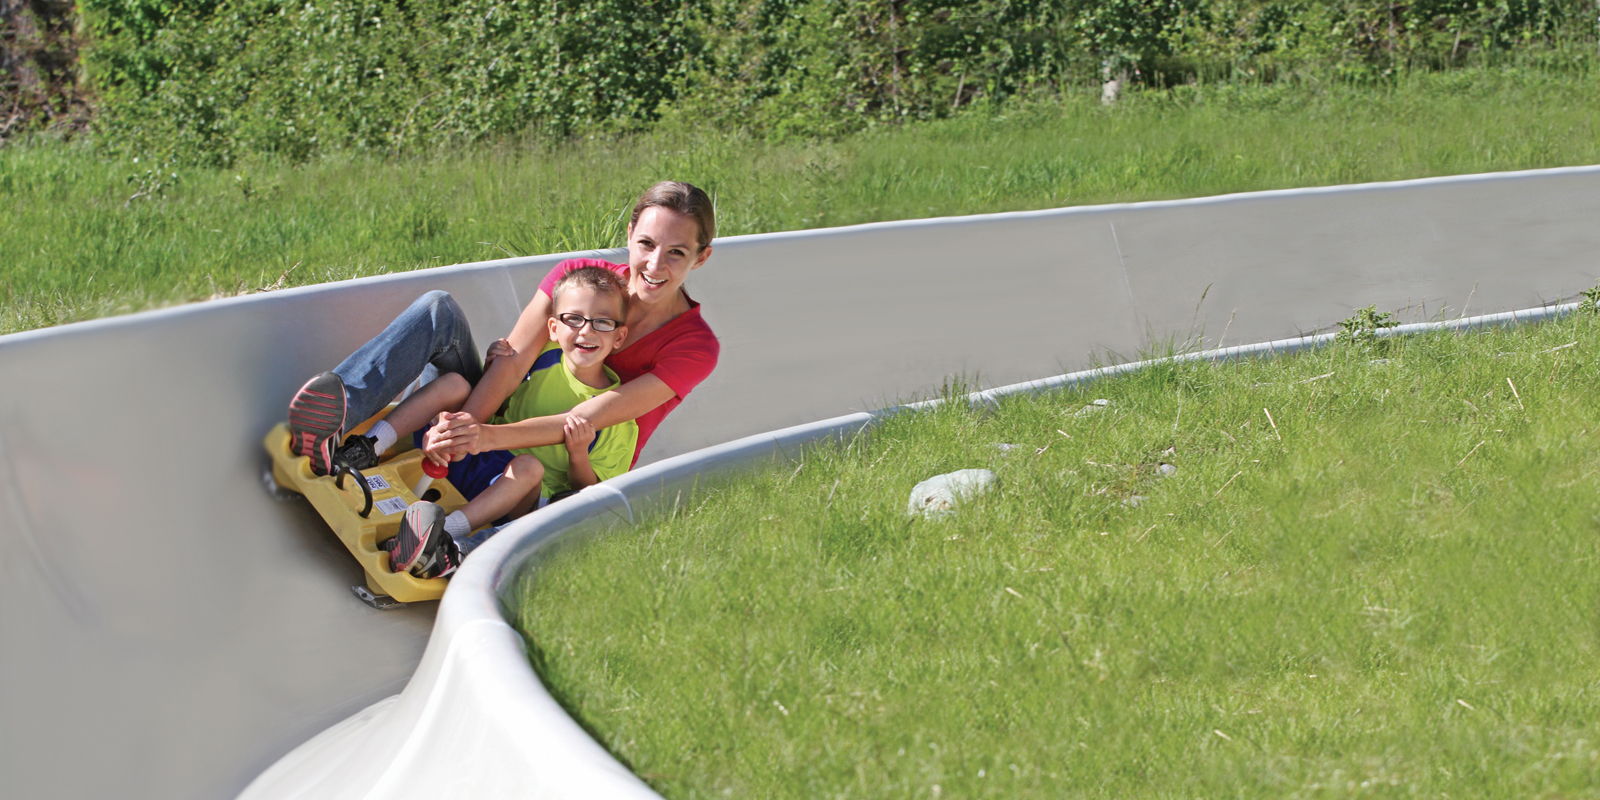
[(456, 525), (384, 433)]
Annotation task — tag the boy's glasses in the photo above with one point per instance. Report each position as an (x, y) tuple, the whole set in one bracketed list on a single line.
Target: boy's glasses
[(577, 321)]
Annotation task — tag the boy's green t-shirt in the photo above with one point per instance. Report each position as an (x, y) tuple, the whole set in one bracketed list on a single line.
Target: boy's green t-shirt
[(552, 389)]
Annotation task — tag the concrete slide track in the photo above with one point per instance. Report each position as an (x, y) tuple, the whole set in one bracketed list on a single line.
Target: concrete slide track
[(171, 631)]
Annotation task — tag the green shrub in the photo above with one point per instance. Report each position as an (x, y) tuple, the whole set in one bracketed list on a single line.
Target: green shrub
[(208, 80), (814, 67), (1360, 329), (265, 76)]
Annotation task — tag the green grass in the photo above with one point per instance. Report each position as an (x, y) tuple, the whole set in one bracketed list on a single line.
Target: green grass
[(77, 243), (1367, 577)]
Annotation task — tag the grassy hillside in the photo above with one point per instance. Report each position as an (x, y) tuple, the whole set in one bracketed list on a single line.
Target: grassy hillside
[(1360, 573), (87, 237)]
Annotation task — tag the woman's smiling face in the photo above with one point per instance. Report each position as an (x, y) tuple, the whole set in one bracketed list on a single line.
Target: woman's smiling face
[(663, 248)]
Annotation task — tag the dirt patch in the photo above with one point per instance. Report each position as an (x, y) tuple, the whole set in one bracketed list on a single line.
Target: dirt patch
[(40, 80)]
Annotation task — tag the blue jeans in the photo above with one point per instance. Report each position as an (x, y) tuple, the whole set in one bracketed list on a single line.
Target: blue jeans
[(470, 542), (433, 330)]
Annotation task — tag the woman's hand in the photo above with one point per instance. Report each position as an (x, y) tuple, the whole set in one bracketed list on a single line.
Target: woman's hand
[(455, 435), (578, 433), (499, 348)]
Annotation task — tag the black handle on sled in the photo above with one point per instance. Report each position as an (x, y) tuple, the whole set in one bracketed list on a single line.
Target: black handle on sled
[(341, 469)]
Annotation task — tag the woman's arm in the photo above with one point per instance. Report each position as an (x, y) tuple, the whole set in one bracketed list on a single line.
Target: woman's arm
[(457, 431), (459, 434), (504, 375)]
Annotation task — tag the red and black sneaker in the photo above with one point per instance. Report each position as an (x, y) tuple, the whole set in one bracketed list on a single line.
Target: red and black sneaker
[(441, 562), (316, 418), (420, 531)]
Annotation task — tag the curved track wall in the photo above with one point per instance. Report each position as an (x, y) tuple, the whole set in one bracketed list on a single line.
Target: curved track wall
[(172, 631), (475, 701)]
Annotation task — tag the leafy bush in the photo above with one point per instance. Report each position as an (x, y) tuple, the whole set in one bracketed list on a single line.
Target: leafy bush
[(1361, 328), (808, 67), (209, 80)]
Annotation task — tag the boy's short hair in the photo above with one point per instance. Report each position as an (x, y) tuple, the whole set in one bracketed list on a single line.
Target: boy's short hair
[(600, 279)]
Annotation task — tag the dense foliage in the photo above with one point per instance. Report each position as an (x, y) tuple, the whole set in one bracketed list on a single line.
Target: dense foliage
[(213, 79)]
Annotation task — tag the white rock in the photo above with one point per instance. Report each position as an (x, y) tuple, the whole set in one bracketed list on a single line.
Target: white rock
[(1005, 447), (939, 495), (1166, 469), (1134, 501), (1097, 405)]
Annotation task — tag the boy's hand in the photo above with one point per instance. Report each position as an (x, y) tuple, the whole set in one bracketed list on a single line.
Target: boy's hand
[(579, 433), (499, 348), (455, 435)]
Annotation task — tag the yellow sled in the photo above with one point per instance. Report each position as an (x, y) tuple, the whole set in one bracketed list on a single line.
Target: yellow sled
[(342, 503)]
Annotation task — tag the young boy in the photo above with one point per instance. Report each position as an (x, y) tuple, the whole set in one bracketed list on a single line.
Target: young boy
[(588, 306)]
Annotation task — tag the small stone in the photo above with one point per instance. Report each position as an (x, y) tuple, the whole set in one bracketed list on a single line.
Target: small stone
[(939, 495), (1005, 447), (1166, 470), (1134, 501), (1097, 405)]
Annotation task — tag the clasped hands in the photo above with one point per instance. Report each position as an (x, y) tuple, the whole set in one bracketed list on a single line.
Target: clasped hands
[(454, 434), (457, 434)]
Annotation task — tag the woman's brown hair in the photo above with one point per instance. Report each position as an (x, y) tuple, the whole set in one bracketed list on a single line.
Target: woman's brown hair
[(683, 198)]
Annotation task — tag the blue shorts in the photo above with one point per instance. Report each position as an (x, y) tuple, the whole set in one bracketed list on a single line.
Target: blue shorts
[(475, 473)]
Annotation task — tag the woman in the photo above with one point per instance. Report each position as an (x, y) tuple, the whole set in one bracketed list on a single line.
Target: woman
[(670, 349)]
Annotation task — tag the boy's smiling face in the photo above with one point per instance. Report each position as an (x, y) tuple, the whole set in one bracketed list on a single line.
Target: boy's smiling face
[(587, 348)]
